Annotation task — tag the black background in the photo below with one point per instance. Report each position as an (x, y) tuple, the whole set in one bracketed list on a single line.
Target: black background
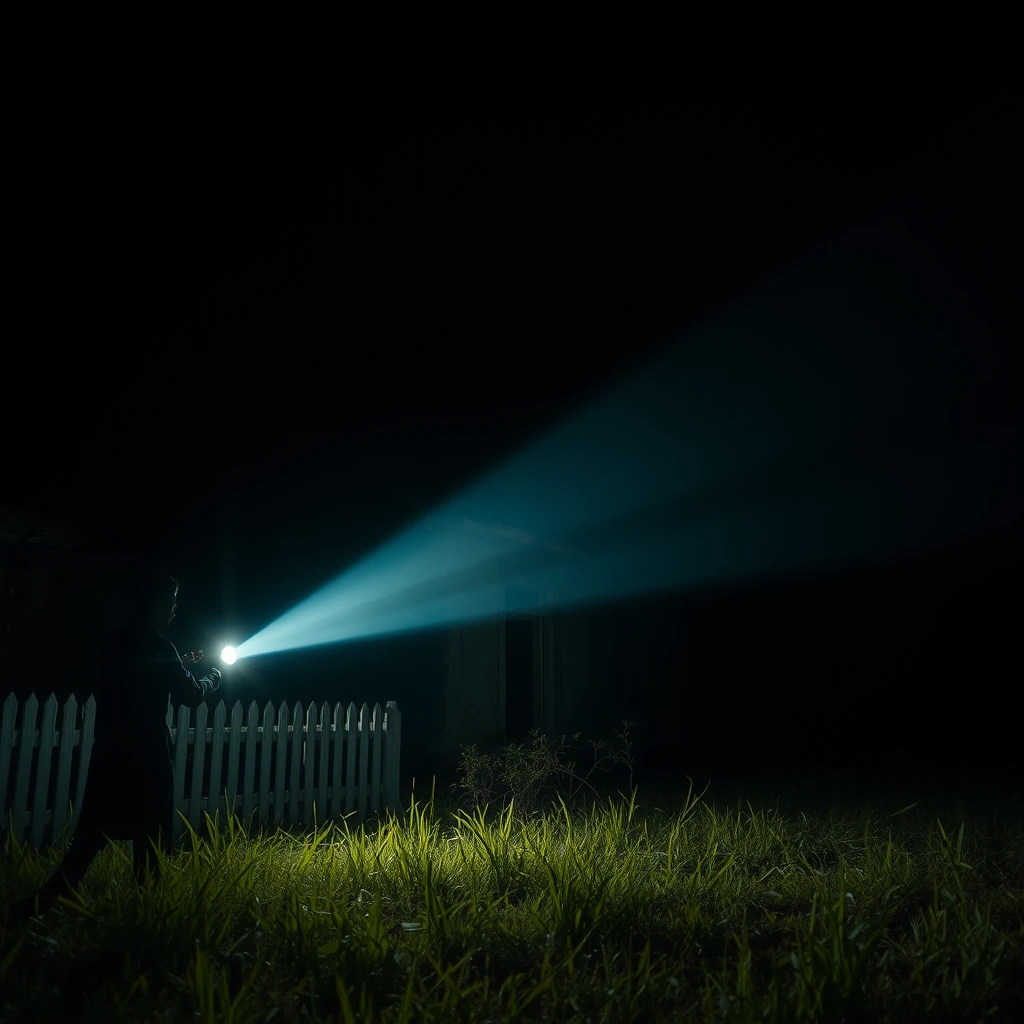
[(320, 274)]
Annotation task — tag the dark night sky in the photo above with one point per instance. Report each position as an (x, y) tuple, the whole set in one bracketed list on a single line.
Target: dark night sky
[(322, 299)]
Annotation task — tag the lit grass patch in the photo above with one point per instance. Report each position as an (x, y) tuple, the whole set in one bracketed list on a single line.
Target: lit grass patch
[(616, 910)]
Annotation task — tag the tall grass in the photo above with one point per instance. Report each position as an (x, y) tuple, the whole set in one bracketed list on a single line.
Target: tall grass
[(623, 910)]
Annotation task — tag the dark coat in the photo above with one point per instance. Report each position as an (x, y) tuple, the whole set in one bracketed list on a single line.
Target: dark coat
[(133, 692), (130, 769)]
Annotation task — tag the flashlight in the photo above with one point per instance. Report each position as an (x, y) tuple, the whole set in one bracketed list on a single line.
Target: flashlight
[(229, 655)]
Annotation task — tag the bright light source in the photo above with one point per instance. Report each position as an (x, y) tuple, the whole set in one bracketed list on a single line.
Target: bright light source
[(229, 655)]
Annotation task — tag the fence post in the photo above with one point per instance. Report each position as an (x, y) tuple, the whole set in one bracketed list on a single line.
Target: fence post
[(392, 757)]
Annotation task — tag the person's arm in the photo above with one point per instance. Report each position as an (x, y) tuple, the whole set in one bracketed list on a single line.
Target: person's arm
[(187, 687)]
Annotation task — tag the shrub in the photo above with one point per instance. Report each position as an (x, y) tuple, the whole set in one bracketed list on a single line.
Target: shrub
[(530, 775)]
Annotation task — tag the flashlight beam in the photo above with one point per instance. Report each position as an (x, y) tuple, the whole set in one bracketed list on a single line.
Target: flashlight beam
[(807, 427)]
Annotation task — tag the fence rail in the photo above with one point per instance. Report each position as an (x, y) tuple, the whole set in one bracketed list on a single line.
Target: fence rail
[(272, 766)]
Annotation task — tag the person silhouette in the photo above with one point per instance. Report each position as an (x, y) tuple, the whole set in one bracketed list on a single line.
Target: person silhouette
[(129, 784)]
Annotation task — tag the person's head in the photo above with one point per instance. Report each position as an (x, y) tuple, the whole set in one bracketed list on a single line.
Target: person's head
[(161, 600), (128, 594), (142, 598)]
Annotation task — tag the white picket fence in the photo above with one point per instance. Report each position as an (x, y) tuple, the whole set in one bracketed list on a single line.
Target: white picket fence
[(341, 759)]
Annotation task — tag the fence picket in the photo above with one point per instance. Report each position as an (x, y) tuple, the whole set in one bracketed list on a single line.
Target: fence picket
[(392, 749), (282, 763), (43, 761), (339, 746), (178, 784), (310, 809), (195, 800), (265, 752), (234, 744), (27, 748), (68, 735), (364, 750), (216, 802), (377, 751), (351, 733), (252, 738), (322, 809), (298, 723)]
